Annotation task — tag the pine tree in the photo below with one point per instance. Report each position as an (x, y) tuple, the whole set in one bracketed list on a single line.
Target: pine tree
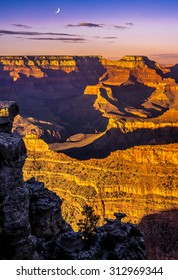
[(88, 225)]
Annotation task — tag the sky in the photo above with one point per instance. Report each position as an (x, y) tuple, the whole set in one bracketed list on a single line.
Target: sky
[(112, 28)]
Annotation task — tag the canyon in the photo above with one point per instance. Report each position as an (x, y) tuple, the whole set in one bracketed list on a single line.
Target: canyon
[(131, 94), (31, 223), (103, 133)]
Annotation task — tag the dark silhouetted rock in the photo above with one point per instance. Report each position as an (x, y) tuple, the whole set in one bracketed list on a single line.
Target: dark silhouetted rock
[(8, 111)]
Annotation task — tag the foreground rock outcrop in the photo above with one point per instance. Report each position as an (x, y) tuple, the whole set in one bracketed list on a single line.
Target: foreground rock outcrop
[(16, 240), (161, 234), (31, 223)]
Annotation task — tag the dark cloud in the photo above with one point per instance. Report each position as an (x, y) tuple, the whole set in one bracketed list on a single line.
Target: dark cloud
[(21, 25), (110, 38), (101, 25), (120, 27), (86, 24), (129, 23), (70, 40), (31, 33)]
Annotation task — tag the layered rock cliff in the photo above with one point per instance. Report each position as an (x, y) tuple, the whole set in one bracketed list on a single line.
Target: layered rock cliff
[(137, 96), (129, 94), (138, 181), (31, 223), (33, 66), (55, 95)]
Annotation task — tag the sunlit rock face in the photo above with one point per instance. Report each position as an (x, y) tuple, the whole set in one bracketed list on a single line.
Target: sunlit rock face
[(138, 181), (114, 125), (33, 143), (139, 99), (61, 96), (33, 66)]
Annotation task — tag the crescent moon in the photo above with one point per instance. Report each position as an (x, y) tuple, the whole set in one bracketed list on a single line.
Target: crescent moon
[(58, 10)]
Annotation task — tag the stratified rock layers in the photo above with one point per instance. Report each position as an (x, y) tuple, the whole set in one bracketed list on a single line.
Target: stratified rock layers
[(123, 114), (141, 181), (129, 94), (137, 181), (31, 224)]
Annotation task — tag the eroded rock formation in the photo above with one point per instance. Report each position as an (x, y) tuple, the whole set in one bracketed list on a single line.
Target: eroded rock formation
[(138, 99), (139, 180), (119, 117), (128, 95), (32, 66), (55, 92), (31, 223)]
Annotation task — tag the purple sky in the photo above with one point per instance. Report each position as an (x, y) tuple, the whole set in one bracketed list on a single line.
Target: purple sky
[(109, 28)]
